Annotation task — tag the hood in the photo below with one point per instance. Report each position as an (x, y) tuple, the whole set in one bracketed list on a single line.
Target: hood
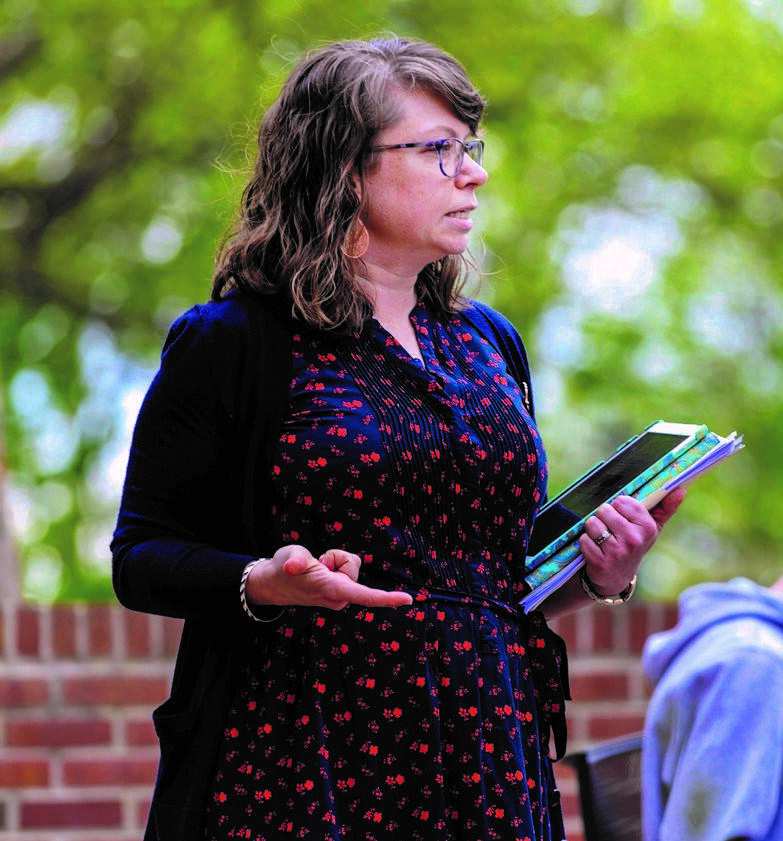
[(703, 606)]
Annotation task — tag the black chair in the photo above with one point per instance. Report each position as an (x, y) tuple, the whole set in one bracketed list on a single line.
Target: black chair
[(609, 778)]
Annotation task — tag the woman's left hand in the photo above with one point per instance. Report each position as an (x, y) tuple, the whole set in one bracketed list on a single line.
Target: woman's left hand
[(624, 530)]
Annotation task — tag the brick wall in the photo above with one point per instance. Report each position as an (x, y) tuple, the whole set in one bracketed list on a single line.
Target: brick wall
[(78, 684)]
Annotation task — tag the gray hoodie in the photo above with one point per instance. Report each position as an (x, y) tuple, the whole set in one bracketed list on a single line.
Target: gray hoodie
[(712, 766)]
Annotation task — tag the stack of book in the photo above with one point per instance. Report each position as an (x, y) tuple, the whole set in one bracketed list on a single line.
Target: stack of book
[(663, 457)]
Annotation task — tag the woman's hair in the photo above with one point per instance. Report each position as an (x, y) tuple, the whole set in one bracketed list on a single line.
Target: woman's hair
[(314, 143)]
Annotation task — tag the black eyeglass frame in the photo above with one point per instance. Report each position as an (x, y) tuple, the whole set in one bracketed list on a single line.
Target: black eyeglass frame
[(473, 148)]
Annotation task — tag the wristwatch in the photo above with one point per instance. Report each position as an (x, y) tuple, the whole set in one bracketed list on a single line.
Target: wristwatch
[(619, 598)]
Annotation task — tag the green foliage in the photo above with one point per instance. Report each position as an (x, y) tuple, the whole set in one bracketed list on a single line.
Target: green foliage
[(631, 228)]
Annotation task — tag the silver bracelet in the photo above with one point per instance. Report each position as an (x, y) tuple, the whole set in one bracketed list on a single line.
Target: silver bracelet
[(619, 598), (243, 595)]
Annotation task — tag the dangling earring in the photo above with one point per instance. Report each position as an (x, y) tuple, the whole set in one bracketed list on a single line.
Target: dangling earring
[(357, 242)]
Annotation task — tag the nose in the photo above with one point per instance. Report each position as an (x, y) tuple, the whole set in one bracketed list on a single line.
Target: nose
[(471, 174)]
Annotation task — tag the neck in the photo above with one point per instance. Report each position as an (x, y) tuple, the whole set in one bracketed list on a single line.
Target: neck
[(393, 298), (393, 294)]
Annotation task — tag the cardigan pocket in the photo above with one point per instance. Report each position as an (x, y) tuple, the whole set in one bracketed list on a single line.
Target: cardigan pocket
[(173, 814), (175, 731), (190, 727)]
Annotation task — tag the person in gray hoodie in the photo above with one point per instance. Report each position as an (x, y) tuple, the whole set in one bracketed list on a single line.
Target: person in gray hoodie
[(712, 756)]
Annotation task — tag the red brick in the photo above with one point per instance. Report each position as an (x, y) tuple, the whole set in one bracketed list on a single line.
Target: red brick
[(23, 692), (64, 625), (598, 685), (571, 808), (140, 733), (172, 631), (142, 811), (23, 772), (639, 621), (604, 621), (646, 688), (671, 614), (565, 626), (565, 776), (100, 634), (137, 633), (57, 733), (28, 632), (116, 771), (613, 726), (82, 814), (665, 617), (580, 637), (118, 690)]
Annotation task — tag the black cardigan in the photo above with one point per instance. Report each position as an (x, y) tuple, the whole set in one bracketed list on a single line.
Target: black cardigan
[(205, 433)]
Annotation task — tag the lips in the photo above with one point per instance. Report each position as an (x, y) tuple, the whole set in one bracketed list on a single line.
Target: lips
[(462, 213)]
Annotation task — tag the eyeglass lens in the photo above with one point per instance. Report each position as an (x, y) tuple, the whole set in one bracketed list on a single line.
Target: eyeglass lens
[(452, 152)]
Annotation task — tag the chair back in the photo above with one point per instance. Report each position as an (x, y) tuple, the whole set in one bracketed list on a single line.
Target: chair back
[(609, 778)]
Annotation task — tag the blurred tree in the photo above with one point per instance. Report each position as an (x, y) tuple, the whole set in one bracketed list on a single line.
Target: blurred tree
[(631, 229)]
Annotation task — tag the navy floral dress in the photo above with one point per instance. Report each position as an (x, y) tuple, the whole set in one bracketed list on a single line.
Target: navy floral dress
[(417, 722)]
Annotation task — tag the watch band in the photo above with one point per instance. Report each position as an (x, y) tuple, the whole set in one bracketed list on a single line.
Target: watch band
[(619, 598)]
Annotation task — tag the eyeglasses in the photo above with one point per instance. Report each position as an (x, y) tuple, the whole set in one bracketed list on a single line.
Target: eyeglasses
[(451, 152)]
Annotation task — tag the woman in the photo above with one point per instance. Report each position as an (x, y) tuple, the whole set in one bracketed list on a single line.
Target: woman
[(333, 480)]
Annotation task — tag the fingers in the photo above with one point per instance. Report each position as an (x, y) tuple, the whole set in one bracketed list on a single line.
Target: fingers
[(346, 562), (330, 581), (295, 562), (372, 597), (627, 508), (668, 506), (635, 513), (597, 540), (598, 532), (615, 541), (617, 537), (345, 587), (628, 520)]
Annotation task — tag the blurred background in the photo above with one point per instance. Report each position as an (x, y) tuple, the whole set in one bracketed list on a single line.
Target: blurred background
[(632, 229)]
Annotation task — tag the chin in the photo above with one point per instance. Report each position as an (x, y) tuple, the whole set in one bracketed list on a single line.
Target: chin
[(453, 248)]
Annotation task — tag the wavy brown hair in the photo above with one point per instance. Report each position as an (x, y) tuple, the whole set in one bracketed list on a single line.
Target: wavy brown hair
[(314, 142)]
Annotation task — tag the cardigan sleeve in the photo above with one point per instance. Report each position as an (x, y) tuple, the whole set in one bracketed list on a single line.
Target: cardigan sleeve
[(177, 547)]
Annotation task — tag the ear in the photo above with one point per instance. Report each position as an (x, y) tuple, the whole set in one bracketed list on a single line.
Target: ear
[(356, 183)]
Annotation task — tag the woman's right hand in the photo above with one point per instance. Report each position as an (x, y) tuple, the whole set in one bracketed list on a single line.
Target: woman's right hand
[(293, 576)]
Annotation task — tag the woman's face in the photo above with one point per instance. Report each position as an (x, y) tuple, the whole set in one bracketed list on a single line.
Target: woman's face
[(415, 214)]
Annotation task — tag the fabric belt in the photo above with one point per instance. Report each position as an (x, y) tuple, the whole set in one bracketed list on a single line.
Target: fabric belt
[(467, 599)]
